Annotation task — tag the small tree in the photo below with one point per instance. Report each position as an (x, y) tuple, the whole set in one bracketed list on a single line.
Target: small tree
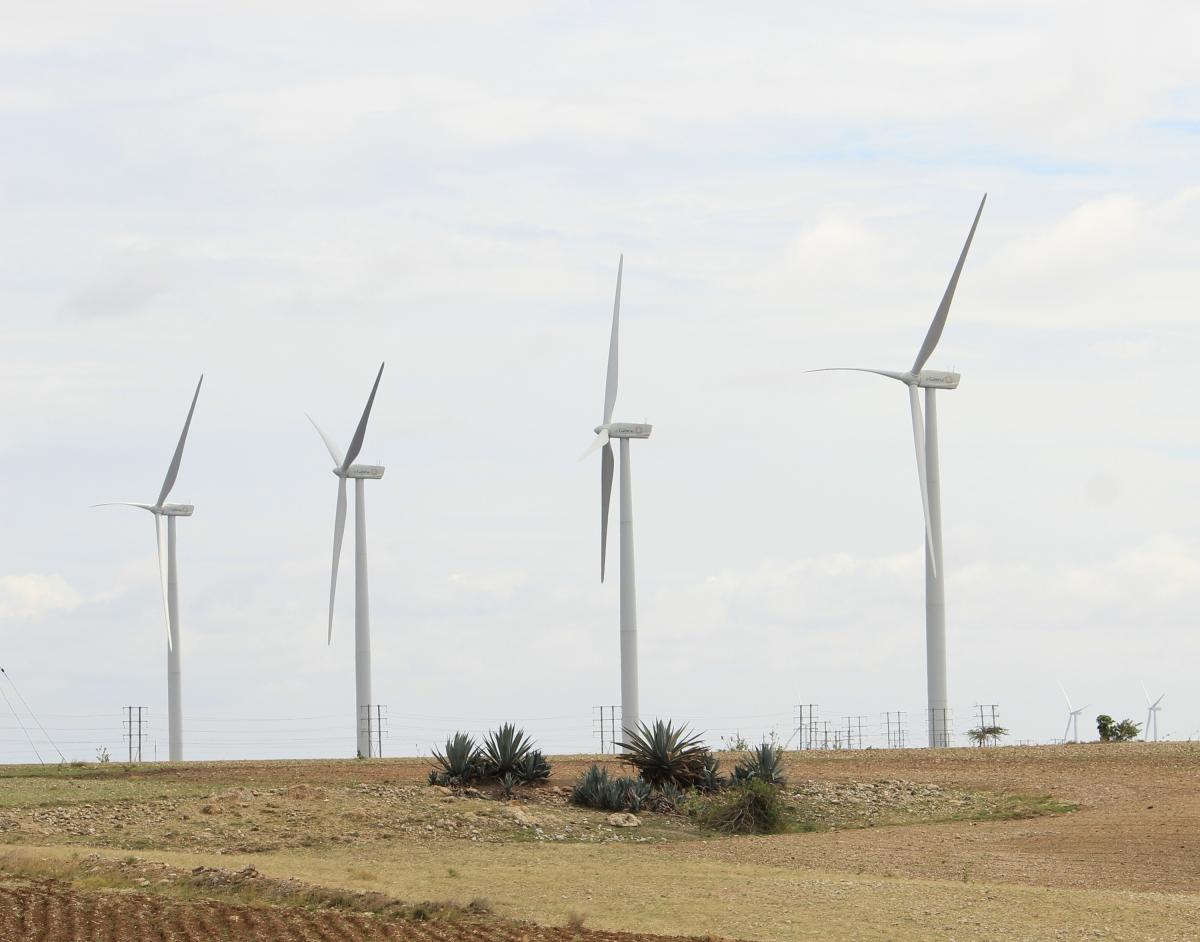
[(1112, 731), (987, 735)]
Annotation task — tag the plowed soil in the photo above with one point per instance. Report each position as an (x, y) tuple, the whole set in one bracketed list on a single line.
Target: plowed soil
[(47, 911)]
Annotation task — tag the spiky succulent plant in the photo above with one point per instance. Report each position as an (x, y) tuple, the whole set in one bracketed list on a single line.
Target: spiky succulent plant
[(505, 750), (764, 762), (461, 761), (534, 767), (597, 789), (666, 753)]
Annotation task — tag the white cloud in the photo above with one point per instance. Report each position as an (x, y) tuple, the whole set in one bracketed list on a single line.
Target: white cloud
[(34, 596)]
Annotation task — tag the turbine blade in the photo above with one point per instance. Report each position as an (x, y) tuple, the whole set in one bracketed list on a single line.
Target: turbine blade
[(1158, 701), (1146, 693), (610, 382), (173, 471), (600, 440), (126, 503), (334, 452), (1064, 693), (606, 479), (1067, 731), (360, 433), (339, 530), (919, 442), (939, 319), (890, 374), (162, 575)]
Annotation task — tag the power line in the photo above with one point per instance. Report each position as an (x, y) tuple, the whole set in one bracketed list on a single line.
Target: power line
[(22, 725), (32, 714)]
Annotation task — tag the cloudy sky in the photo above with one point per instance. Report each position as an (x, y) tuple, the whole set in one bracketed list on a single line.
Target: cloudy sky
[(281, 196)]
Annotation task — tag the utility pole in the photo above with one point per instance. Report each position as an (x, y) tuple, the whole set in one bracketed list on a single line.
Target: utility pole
[(370, 726), (604, 724), (984, 723), (804, 722), (894, 723), (133, 728), (379, 718), (939, 726)]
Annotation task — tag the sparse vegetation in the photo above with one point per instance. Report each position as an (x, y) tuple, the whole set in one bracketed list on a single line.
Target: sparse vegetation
[(987, 735), (749, 806)]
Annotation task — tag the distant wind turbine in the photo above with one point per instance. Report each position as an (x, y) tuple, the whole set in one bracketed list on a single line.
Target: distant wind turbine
[(926, 443), (1072, 716), (170, 584), (345, 468), (1151, 714), (623, 431)]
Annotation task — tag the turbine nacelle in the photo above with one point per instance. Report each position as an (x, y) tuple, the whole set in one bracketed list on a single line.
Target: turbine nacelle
[(624, 430), (365, 472), (936, 379), (175, 510)]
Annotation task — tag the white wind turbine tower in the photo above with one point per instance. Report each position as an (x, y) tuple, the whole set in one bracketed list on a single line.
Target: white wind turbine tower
[(623, 431), (1151, 714), (1072, 717), (345, 468), (926, 443), (169, 580)]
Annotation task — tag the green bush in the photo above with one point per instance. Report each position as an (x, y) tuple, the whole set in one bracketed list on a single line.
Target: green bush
[(664, 753), (1112, 731), (752, 806)]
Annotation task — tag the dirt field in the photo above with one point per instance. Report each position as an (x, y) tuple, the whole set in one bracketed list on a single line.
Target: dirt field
[(54, 912), (913, 845)]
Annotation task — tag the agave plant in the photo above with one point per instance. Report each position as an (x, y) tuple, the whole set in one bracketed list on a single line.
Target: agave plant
[(670, 798), (597, 789), (765, 763), (504, 751), (635, 793), (711, 779), (534, 767), (508, 782), (591, 789), (461, 761), (666, 753)]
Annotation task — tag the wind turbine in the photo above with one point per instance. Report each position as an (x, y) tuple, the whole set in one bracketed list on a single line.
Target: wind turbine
[(1151, 714), (926, 443), (169, 580), (345, 469), (1072, 716), (623, 431)]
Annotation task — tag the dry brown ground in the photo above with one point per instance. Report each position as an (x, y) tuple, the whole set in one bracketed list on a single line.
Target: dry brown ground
[(48, 911), (1126, 865)]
